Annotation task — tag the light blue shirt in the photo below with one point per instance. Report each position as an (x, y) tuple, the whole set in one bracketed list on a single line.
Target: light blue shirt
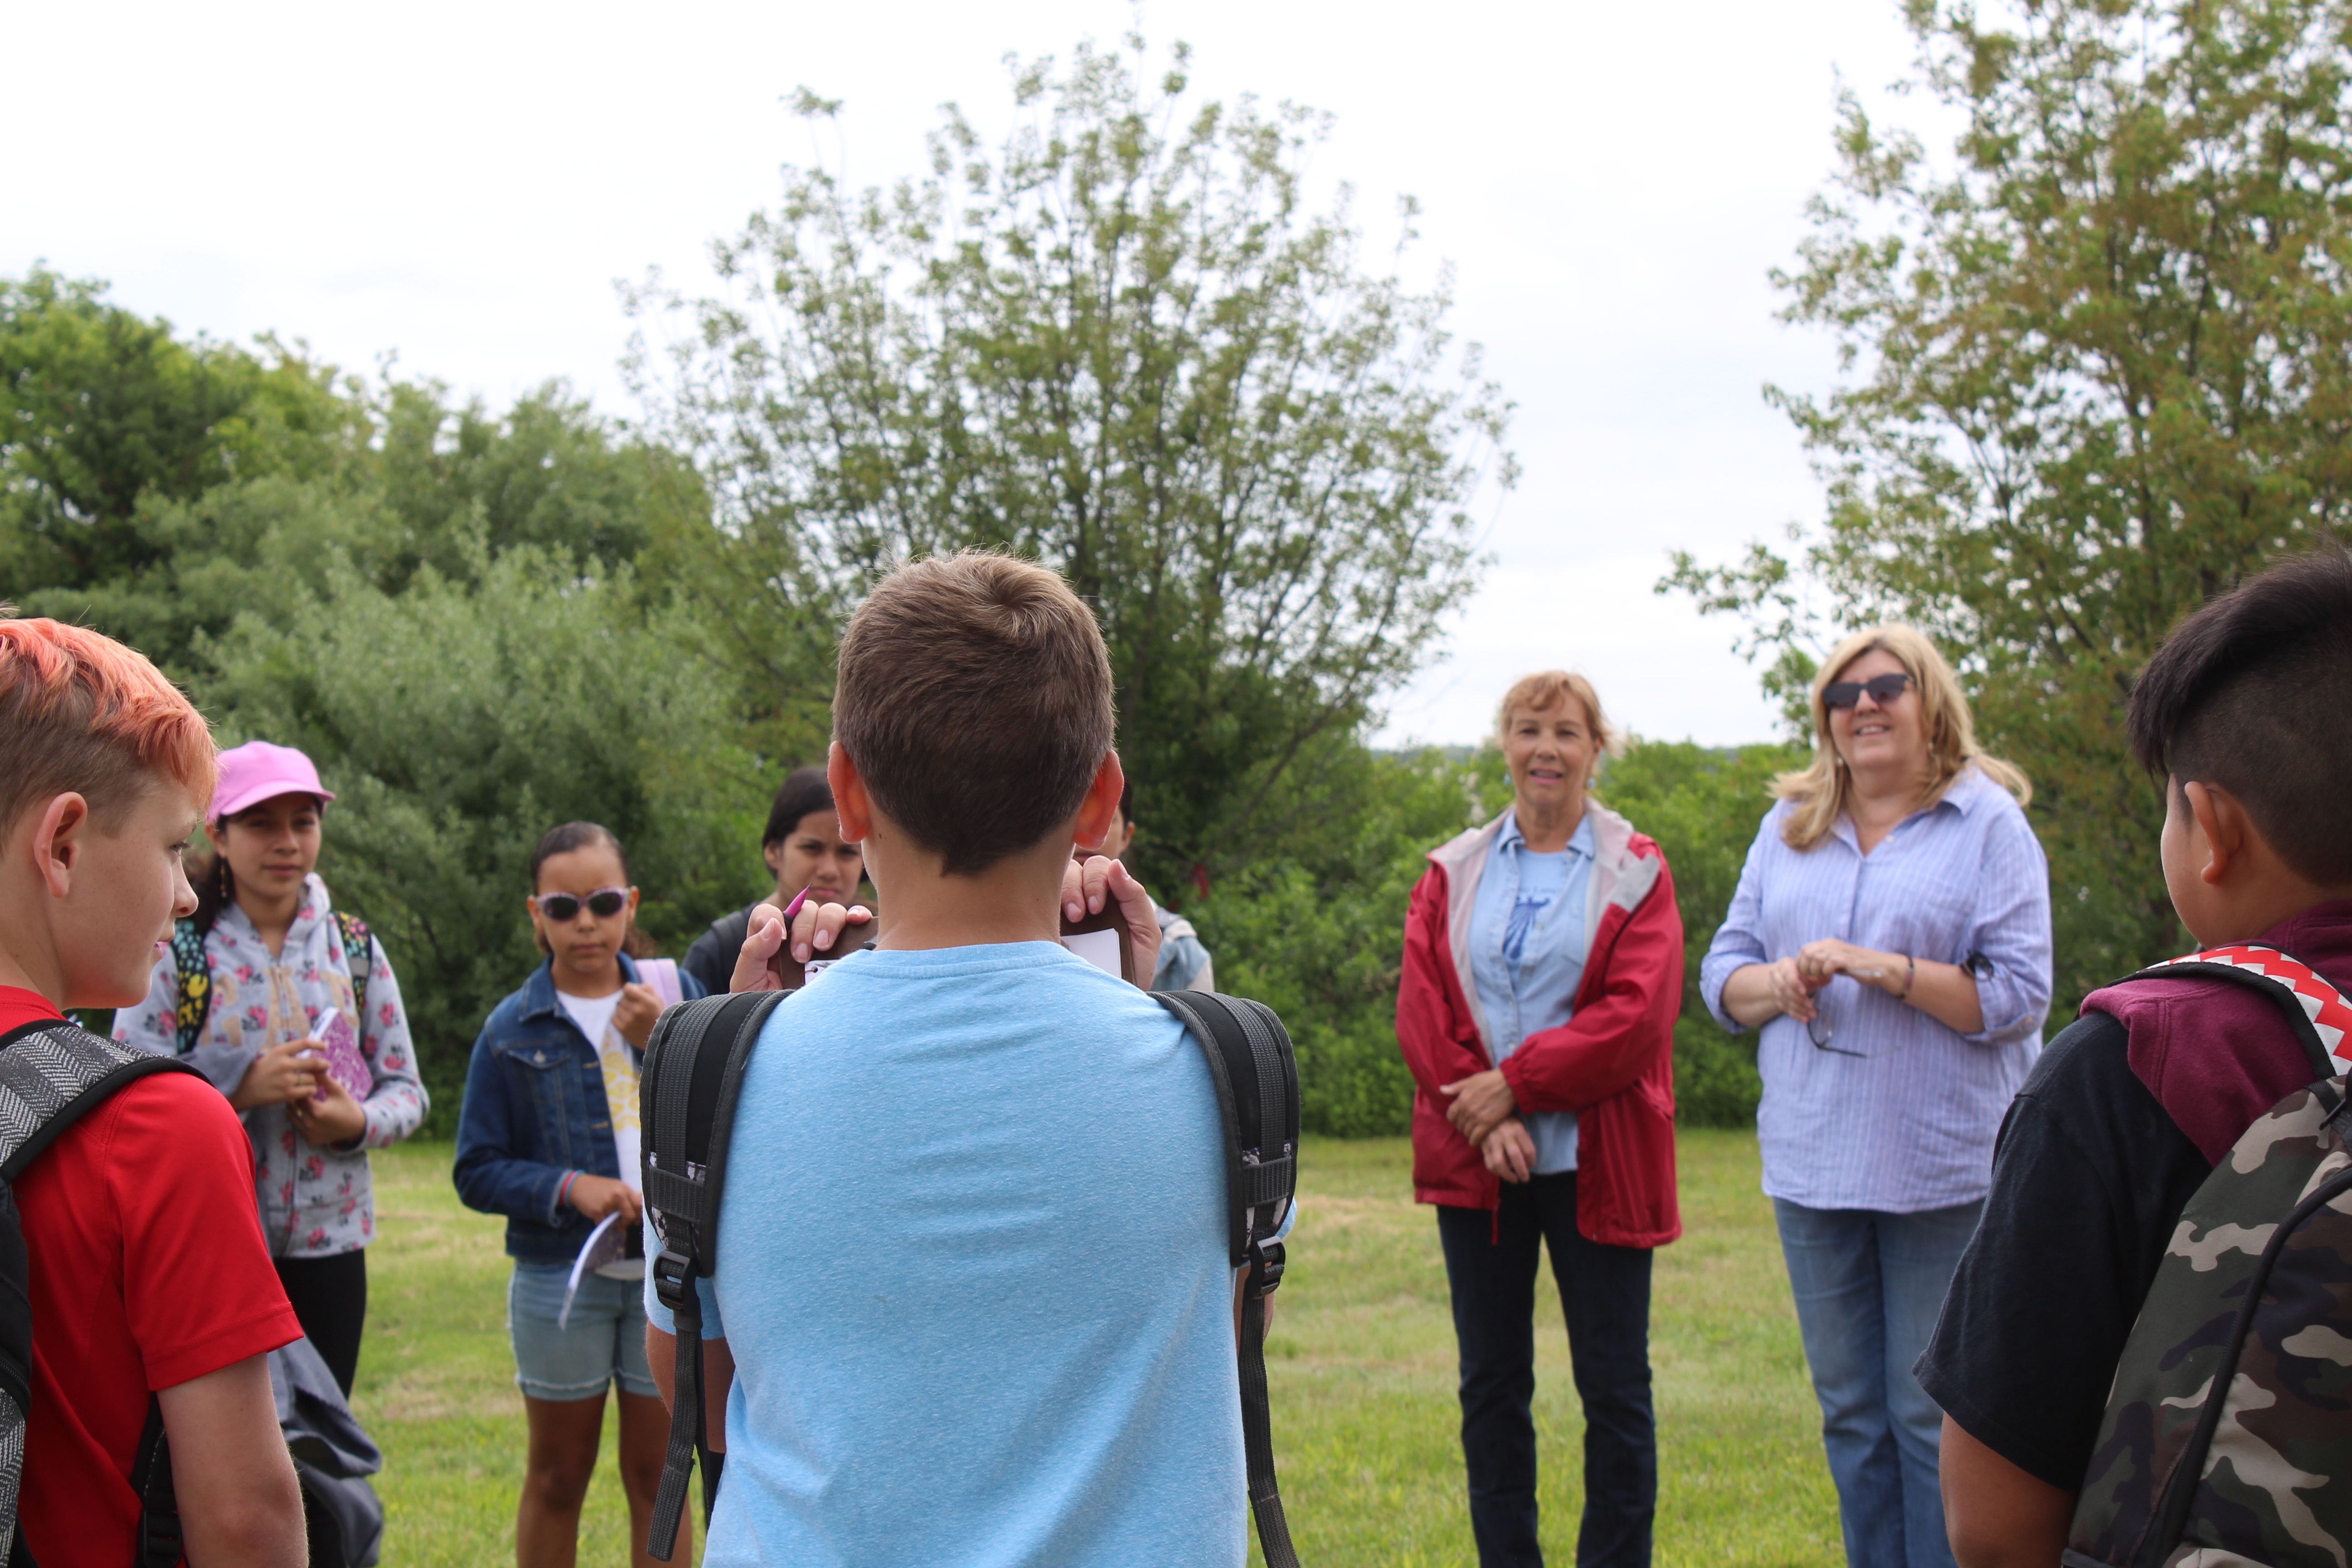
[(1909, 1125), (1526, 957), (972, 1270)]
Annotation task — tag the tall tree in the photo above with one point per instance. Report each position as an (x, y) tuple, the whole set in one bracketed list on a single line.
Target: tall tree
[(2098, 366), (1120, 343), (101, 408), (158, 486)]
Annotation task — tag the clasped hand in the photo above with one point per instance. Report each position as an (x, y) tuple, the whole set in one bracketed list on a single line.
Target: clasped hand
[(1483, 1111), (1819, 963), (293, 1073)]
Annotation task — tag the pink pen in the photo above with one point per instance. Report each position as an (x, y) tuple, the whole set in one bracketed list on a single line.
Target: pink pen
[(794, 907)]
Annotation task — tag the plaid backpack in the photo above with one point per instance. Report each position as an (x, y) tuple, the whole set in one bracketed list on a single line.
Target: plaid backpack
[(50, 1076), (2227, 1435)]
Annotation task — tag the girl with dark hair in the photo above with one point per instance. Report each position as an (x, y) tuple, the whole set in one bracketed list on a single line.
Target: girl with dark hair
[(804, 849), (550, 1138), (288, 1005)]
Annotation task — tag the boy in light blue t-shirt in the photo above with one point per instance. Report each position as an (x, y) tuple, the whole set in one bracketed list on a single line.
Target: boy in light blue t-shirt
[(974, 1292)]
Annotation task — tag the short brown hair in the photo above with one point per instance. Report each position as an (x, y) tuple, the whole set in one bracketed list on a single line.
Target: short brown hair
[(974, 695), (81, 713)]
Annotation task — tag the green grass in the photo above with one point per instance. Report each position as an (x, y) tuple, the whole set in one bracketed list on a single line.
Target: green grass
[(1361, 1360)]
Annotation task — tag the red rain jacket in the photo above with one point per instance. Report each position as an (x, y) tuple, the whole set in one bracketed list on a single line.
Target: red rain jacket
[(1611, 1063)]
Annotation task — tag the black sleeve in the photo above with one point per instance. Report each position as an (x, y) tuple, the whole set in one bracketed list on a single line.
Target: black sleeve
[(2088, 1181), (711, 959)]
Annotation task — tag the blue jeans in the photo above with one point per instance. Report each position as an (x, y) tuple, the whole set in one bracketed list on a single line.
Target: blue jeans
[(1869, 1286), (603, 1343), (1604, 1292)]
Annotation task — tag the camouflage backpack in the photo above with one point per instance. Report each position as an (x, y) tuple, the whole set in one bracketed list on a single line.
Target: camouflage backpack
[(2227, 1435)]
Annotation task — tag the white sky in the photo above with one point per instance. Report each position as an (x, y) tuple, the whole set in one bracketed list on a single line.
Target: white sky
[(461, 185)]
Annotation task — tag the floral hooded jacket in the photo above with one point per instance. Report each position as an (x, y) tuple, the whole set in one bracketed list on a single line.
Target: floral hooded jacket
[(315, 1202)]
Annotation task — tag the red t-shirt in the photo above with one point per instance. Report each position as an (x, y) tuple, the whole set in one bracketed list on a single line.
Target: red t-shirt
[(149, 1270)]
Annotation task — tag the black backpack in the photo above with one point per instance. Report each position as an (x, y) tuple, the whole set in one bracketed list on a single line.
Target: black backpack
[(51, 1075), (693, 1074)]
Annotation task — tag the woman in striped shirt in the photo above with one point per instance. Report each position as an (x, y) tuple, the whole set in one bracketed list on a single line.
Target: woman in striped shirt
[(1890, 938)]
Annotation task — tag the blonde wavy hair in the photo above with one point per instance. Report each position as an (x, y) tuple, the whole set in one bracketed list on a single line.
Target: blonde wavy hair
[(1822, 793)]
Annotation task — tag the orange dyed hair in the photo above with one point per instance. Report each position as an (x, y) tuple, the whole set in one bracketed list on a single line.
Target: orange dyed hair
[(81, 713)]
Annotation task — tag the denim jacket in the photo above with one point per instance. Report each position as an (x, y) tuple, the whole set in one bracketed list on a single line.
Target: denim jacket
[(534, 1111)]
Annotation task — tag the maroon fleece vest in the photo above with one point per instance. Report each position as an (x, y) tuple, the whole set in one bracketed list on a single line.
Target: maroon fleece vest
[(2216, 1056)]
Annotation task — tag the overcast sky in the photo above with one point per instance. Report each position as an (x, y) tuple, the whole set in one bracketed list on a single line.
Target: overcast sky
[(461, 185)]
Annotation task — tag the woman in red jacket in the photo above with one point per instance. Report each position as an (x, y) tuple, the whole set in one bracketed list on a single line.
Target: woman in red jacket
[(1543, 969)]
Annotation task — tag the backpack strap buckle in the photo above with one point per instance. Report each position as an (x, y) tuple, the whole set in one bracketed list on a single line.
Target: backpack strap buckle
[(1266, 1268), (673, 1275)]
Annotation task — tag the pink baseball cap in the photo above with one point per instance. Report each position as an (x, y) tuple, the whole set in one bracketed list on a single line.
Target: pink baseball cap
[(258, 770)]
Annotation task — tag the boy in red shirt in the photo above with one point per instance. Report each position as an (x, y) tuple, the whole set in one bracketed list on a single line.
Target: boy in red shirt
[(150, 1277), (2246, 713)]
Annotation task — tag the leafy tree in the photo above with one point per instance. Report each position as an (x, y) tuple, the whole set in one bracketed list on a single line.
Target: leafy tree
[(1119, 344), (2097, 369), (459, 718), (158, 487), (101, 408)]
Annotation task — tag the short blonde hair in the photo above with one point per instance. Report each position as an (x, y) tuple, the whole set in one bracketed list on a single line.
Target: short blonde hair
[(1822, 793), (1545, 689)]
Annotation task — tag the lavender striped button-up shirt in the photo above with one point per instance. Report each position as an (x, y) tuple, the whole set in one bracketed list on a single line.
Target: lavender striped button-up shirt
[(1909, 1126)]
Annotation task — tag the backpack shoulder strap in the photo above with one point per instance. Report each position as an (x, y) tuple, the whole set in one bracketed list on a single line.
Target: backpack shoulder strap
[(2318, 1014), (160, 1542), (692, 1076), (50, 1077), (195, 971), (359, 957), (1256, 1076)]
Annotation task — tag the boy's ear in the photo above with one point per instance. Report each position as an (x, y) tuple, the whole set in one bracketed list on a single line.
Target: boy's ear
[(57, 834), (849, 800), (1101, 804), (2222, 821)]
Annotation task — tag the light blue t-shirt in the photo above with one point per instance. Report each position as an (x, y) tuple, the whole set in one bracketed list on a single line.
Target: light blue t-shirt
[(1526, 957), (973, 1270)]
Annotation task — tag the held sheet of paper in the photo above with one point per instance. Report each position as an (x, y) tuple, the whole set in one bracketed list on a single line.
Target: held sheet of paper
[(1099, 948), (605, 1245)]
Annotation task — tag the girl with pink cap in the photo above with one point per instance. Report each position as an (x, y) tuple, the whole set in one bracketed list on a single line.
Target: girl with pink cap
[(289, 1006)]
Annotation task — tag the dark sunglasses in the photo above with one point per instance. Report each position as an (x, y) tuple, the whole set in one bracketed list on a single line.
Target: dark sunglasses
[(604, 903), (1840, 695)]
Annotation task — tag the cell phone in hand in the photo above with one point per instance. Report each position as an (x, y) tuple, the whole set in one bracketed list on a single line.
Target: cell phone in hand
[(792, 973)]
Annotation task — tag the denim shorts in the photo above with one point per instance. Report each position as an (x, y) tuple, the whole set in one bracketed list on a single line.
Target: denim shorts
[(603, 1342)]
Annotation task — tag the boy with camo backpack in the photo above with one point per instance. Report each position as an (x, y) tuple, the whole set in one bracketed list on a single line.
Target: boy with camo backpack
[(2146, 1357)]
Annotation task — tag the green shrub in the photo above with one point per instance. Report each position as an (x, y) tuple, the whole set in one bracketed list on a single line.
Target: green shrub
[(460, 720)]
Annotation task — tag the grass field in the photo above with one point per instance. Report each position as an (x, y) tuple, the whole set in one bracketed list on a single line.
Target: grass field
[(1362, 1361)]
